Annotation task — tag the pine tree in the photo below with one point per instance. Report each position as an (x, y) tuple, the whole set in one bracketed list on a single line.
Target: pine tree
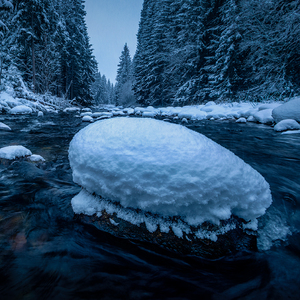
[(191, 16), (270, 46), (77, 62), (6, 8), (124, 80), (222, 61)]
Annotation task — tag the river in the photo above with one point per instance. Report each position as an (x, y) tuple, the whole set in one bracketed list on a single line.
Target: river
[(48, 253)]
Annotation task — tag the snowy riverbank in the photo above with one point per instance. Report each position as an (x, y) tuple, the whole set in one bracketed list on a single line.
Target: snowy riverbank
[(271, 113)]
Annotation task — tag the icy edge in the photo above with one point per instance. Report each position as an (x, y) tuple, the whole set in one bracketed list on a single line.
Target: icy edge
[(88, 204)]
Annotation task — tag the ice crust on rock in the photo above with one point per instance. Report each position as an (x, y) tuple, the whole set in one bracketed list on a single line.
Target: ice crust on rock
[(13, 152), (165, 169)]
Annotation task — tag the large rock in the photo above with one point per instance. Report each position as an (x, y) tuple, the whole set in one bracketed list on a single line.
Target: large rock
[(166, 169), (289, 110)]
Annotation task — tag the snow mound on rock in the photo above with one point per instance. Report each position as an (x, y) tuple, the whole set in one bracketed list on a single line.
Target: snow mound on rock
[(286, 125), (20, 110), (166, 169), (289, 110), (264, 116), (36, 158), (13, 152)]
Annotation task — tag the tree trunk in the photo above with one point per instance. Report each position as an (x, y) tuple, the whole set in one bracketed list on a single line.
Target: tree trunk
[(33, 66)]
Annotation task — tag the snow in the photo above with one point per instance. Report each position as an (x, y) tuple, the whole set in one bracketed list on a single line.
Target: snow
[(13, 152), (36, 158), (86, 109), (286, 125), (40, 114), (102, 114), (251, 119), (165, 169), (71, 109), (264, 116), (241, 120), (88, 113), (20, 110), (149, 114), (8, 102), (252, 112), (288, 110), (291, 132), (4, 126), (268, 106), (87, 119)]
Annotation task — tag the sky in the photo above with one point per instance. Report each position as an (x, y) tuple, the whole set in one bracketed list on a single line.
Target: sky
[(111, 24)]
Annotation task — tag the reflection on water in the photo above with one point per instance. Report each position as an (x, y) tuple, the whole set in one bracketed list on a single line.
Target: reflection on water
[(46, 253)]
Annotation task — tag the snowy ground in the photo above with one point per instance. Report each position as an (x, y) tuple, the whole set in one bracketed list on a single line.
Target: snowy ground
[(265, 113)]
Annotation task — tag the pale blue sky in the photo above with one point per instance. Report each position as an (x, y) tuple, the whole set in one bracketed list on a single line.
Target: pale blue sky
[(111, 24)]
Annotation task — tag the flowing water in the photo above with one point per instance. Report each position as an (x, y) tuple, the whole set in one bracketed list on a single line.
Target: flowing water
[(48, 253)]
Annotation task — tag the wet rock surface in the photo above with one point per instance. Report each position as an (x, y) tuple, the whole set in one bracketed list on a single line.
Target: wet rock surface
[(227, 244)]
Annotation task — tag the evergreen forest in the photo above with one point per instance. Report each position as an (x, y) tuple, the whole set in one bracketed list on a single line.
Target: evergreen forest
[(45, 42), (188, 52), (194, 51)]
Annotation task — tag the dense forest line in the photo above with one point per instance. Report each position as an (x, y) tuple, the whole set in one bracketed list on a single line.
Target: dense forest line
[(45, 42), (188, 52), (191, 51)]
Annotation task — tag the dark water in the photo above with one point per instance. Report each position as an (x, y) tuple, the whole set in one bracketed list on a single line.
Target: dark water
[(46, 253)]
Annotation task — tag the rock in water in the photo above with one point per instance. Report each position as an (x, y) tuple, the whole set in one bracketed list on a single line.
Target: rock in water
[(167, 170), (289, 110), (13, 152)]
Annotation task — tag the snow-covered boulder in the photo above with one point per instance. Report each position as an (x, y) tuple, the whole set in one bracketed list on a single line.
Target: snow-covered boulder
[(286, 125), (191, 112), (87, 119), (241, 120), (4, 126), (101, 114), (165, 169), (87, 113), (13, 152), (118, 113), (149, 114), (128, 111), (289, 110), (20, 110), (40, 114), (251, 119), (36, 158), (264, 116), (86, 109), (71, 109), (268, 106)]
